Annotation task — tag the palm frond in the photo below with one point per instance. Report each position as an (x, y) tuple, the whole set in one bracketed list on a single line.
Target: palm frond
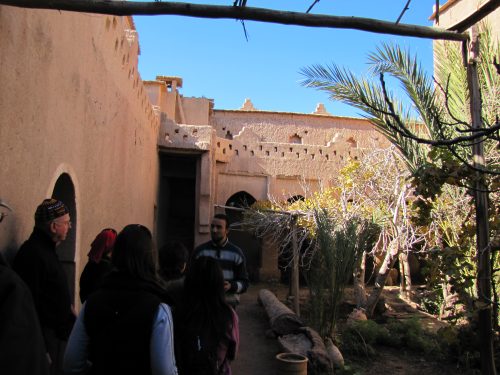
[(361, 93), (400, 64)]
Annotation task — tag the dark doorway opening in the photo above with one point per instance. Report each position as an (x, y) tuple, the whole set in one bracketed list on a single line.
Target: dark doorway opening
[(250, 244), (64, 191), (177, 199)]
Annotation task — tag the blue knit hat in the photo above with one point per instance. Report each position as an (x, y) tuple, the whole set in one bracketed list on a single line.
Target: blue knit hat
[(49, 210)]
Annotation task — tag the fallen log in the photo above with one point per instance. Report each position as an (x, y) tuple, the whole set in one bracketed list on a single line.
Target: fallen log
[(293, 336), (307, 342), (282, 320)]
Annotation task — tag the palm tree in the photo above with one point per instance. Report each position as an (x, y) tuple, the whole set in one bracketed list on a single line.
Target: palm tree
[(432, 132)]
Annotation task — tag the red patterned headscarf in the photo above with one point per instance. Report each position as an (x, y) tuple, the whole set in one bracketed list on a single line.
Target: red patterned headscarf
[(102, 245)]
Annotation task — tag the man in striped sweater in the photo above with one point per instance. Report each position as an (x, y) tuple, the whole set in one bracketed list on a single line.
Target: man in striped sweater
[(229, 256)]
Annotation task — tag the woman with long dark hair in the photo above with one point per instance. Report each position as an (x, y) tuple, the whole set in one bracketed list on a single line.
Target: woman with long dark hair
[(125, 327), (99, 264), (206, 327)]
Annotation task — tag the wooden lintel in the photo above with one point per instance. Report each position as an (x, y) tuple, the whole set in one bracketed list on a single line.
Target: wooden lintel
[(127, 8)]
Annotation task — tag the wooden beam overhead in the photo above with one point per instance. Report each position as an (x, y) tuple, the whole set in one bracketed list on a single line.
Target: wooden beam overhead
[(127, 8)]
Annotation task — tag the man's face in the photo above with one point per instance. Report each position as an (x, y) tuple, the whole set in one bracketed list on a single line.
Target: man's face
[(218, 230), (60, 228)]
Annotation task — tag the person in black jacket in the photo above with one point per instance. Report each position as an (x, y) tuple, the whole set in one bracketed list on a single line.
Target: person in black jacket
[(38, 265), (125, 327), (22, 350), (99, 264)]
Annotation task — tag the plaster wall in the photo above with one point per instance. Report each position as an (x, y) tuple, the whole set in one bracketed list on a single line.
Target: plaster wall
[(72, 101), (229, 184), (455, 11), (283, 188), (196, 110), (296, 151)]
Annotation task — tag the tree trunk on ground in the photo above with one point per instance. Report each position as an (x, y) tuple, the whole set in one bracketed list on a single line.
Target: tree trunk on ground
[(390, 259), (359, 283), (283, 321), (308, 343)]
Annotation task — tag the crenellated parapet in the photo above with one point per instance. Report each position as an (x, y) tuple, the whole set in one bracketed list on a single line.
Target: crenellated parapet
[(312, 146), (187, 137)]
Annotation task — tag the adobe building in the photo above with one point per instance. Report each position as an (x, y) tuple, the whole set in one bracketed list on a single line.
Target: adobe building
[(211, 159), (78, 123)]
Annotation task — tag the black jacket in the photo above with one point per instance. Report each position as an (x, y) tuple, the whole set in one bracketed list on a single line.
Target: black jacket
[(92, 277), (22, 350), (119, 320), (38, 265)]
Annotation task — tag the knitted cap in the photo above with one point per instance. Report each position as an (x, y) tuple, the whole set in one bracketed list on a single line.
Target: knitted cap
[(50, 209)]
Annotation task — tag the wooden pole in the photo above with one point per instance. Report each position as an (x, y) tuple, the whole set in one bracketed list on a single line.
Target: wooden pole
[(482, 226), (129, 8), (295, 269)]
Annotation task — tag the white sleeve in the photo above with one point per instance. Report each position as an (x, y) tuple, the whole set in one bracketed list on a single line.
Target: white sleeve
[(162, 343), (76, 355)]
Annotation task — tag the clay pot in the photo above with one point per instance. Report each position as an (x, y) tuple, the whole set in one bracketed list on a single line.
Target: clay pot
[(291, 364)]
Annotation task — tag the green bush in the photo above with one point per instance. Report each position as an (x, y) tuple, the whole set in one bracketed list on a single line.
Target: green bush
[(461, 344), (411, 335), (360, 337)]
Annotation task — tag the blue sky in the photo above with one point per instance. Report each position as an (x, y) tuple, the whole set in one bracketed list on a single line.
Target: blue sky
[(215, 60)]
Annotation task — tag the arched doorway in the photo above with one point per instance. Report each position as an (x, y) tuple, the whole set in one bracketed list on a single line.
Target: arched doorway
[(64, 190), (251, 245)]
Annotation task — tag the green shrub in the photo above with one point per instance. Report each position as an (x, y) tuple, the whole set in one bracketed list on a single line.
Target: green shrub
[(360, 337), (461, 344), (411, 335)]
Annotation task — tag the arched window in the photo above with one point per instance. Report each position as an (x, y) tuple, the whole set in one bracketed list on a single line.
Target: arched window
[(241, 199), (352, 142), (295, 139)]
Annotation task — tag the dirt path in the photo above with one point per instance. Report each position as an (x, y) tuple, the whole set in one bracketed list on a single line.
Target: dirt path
[(257, 353)]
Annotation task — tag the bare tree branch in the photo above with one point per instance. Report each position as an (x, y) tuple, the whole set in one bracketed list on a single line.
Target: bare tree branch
[(312, 5), (242, 3), (497, 65), (127, 8), (437, 12), (446, 100), (403, 11)]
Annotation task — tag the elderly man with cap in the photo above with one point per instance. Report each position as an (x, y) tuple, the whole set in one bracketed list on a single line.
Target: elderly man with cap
[(38, 265)]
